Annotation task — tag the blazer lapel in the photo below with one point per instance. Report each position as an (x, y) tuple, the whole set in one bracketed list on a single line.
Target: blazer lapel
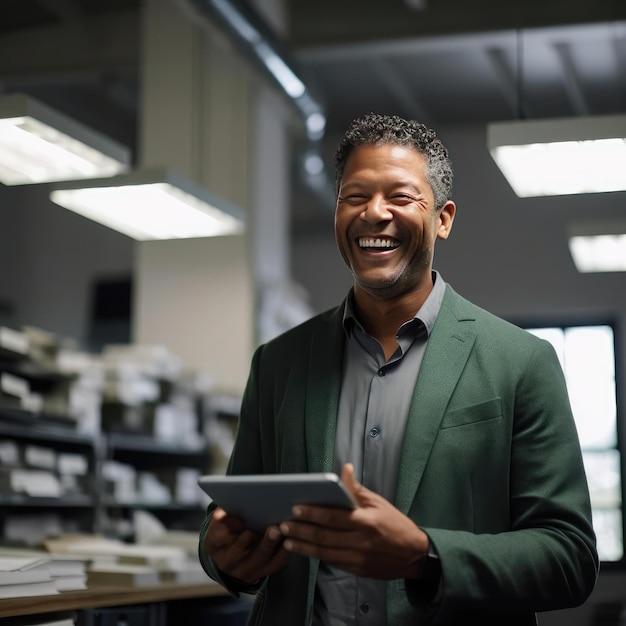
[(448, 349), (322, 392)]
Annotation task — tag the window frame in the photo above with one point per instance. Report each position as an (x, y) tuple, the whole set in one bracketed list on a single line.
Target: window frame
[(620, 446)]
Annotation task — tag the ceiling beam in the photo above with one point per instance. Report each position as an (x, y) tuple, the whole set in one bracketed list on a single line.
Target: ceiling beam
[(507, 81), (571, 81), (619, 44), (458, 43), (397, 89), (53, 53), (67, 10), (325, 22)]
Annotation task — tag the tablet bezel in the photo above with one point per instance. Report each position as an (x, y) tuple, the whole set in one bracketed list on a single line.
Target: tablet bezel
[(265, 499)]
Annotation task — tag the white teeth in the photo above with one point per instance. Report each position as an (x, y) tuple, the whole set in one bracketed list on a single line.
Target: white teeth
[(376, 243)]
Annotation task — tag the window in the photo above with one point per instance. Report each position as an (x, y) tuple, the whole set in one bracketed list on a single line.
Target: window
[(587, 356)]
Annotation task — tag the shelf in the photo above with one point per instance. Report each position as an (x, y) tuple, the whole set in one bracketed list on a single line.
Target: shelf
[(19, 415), (36, 430), (39, 377), (114, 453), (64, 502), (95, 597), (155, 506), (144, 443)]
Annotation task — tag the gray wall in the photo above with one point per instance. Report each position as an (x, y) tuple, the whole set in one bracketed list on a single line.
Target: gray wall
[(49, 258)]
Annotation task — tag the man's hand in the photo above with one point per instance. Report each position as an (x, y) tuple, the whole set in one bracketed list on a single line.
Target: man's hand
[(375, 540), (241, 553)]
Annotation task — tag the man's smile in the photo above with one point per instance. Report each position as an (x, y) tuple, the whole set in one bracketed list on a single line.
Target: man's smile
[(377, 242)]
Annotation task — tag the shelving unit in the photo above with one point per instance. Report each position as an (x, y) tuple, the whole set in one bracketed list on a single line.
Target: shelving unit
[(165, 461), (139, 460), (77, 510), (90, 510)]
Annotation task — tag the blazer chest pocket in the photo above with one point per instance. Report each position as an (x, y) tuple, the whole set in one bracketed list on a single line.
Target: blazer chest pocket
[(481, 412)]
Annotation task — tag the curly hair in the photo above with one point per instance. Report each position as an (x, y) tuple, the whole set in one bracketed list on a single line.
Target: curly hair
[(374, 129)]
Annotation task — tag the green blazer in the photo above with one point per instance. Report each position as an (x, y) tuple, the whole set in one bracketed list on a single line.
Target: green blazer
[(491, 467)]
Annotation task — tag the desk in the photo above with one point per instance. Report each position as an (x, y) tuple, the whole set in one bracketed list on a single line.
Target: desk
[(101, 596)]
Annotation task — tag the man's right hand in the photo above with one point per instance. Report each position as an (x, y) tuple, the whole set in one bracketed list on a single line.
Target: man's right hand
[(241, 553)]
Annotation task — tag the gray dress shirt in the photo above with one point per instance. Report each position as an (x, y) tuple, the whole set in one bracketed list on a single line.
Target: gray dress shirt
[(373, 408)]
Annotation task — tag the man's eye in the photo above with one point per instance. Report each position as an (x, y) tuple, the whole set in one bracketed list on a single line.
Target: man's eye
[(353, 198), (402, 198)]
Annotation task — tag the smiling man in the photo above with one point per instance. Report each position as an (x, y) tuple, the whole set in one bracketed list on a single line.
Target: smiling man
[(451, 427)]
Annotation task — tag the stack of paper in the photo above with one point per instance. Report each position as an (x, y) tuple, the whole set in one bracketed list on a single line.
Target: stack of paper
[(122, 574), (15, 393), (114, 563), (25, 576), (68, 572), (151, 532), (188, 572)]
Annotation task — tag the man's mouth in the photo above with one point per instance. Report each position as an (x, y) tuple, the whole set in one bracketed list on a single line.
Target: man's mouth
[(377, 242)]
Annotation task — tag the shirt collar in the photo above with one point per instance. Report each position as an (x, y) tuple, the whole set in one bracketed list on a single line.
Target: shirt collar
[(427, 313)]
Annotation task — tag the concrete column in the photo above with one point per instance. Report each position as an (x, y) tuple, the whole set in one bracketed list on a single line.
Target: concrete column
[(196, 296), (281, 302)]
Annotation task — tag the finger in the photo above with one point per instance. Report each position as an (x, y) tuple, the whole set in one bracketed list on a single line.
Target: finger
[(337, 556), (266, 557), (266, 548), (218, 533), (361, 494), (329, 534), (325, 516), (348, 478), (223, 530)]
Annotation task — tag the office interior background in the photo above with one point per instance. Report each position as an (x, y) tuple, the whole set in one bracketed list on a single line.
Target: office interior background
[(171, 80)]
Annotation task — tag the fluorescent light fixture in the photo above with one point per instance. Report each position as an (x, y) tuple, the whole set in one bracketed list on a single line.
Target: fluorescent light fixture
[(285, 76), (252, 33), (598, 246), (153, 204), (39, 144), (315, 125), (561, 156), (240, 24)]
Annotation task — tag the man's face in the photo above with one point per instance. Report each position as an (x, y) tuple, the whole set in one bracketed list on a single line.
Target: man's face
[(385, 221)]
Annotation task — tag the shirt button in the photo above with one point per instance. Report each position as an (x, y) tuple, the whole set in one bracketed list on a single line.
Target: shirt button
[(381, 372), (365, 607), (374, 432)]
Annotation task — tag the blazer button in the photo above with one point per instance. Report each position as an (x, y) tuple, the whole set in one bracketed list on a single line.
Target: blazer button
[(365, 607)]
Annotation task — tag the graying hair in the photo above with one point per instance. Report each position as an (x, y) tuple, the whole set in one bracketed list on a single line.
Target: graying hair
[(374, 129)]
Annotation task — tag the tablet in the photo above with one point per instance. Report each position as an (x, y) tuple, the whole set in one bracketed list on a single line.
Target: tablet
[(264, 499)]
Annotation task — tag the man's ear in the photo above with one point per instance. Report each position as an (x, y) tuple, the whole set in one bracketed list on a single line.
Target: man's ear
[(445, 218)]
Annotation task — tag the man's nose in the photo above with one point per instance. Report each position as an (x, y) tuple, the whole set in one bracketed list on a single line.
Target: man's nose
[(376, 210)]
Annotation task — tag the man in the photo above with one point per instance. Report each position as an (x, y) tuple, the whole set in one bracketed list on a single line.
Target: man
[(452, 429)]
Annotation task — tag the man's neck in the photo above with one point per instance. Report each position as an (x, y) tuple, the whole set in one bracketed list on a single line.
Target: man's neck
[(382, 318)]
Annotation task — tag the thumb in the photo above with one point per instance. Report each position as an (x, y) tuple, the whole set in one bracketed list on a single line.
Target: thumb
[(362, 495), (350, 482)]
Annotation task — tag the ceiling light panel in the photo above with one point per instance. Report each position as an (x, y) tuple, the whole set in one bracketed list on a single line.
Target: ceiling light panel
[(561, 156), (151, 205), (598, 245), (39, 144)]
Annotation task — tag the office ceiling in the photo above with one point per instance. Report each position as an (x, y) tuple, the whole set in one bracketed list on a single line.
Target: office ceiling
[(457, 61), (441, 61)]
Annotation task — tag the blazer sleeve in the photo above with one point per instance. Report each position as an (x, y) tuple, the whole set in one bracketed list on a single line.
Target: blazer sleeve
[(547, 557)]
